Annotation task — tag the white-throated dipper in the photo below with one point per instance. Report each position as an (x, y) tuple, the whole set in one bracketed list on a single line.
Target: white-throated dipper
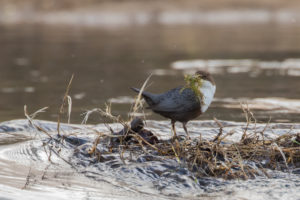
[(183, 103)]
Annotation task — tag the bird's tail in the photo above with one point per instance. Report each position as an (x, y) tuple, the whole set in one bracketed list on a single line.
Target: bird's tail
[(135, 89), (149, 97)]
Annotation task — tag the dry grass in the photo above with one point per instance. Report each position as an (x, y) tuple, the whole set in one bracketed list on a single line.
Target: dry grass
[(236, 160), (247, 158)]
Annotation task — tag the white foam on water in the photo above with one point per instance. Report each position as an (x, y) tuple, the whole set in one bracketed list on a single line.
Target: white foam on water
[(29, 89), (216, 17), (163, 72), (274, 104), (212, 63), (289, 66), (106, 18), (122, 100), (79, 95)]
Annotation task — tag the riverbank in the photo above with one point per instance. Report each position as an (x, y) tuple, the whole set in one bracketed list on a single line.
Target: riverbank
[(124, 13)]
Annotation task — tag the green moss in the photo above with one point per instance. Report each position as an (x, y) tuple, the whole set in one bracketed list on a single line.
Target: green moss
[(194, 82)]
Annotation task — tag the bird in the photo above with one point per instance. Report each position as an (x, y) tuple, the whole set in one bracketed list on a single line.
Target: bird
[(183, 103)]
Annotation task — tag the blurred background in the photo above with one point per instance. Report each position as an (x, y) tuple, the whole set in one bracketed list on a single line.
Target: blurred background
[(251, 47)]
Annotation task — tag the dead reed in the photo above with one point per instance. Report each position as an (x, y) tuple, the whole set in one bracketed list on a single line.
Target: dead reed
[(247, 158)]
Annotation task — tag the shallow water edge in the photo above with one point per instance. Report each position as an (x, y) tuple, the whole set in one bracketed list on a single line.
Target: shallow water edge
[(25, 164)]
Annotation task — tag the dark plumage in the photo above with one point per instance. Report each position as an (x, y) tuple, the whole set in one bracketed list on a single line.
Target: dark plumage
[(178, 104)]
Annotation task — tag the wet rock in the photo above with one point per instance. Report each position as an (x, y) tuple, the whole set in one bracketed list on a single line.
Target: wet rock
[(5, 128), (298, 138), (136, 127), (75, 140)]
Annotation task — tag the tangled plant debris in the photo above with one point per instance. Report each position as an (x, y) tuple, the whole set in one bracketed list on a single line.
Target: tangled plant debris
[(249, 157)]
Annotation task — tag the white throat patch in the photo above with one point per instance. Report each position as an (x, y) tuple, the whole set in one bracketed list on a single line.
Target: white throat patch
[(208, 91)]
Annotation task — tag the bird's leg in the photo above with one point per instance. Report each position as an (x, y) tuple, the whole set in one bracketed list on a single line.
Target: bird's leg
[(173, 129), (185, 129)]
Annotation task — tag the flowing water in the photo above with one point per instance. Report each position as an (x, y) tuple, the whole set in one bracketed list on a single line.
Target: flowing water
[(72, 173), (257, 64)]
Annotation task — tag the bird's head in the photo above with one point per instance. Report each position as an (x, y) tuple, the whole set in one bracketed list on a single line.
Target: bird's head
[(204, 75), (199, 81)]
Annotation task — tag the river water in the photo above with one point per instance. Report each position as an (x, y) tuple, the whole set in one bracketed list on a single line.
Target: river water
[(251, 63), (29, 171), (254, 64)]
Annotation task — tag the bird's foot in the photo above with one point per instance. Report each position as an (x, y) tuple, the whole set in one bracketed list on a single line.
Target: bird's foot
[(178, 138), (174, 138)]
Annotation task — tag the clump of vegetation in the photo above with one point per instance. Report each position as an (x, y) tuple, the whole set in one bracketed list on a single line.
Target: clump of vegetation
[(193, 82), (246, 158)]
